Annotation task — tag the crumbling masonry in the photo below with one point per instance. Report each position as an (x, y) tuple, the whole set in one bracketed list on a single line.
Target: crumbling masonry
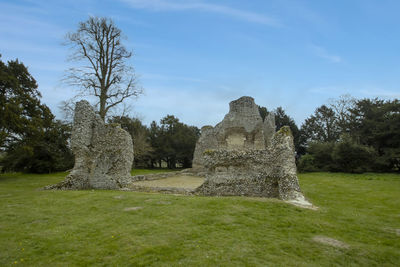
[(242, 155), (103, 153)]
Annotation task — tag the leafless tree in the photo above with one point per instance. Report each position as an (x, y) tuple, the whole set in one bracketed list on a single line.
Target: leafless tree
[(105, 73), (342, 107)]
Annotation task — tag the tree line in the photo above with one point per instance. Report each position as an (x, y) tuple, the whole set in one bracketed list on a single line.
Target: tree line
[(169, 144), (348, 134), (32, 140)]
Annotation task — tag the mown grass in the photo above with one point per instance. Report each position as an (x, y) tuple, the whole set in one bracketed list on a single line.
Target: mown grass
[(82, 228)]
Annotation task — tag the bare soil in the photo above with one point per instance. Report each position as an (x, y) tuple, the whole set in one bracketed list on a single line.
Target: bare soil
[(179, 181)]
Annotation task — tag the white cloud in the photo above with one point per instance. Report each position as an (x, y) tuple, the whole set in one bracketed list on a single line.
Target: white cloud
[(322, 53), (176, 5), (376, 92)]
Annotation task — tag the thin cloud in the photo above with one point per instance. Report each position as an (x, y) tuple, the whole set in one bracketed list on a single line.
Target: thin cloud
[(376, 92), (322, 53), (174, 5)]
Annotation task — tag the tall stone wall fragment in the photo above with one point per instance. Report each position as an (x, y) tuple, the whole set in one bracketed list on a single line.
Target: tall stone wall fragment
[(242, 128), (242, 155), (269, 128), (103, 153)]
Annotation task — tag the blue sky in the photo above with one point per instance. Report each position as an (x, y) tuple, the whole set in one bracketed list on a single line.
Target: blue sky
[(195, 56)]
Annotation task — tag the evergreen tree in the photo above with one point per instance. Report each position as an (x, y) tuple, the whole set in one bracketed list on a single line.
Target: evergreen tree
[(29, 136)]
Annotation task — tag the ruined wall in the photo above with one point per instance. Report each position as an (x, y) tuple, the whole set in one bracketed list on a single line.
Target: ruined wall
[(242, 155), (270, 172), (103, 153), (241, 128)]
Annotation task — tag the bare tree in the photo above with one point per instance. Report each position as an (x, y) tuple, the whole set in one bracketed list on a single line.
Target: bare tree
[(105, 75), (342, 107)]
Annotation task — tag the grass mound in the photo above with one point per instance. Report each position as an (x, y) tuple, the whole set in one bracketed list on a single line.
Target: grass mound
[(70, 228)]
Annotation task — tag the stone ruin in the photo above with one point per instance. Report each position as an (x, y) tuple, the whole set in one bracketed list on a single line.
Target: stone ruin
[(242, 155), (103, 153)]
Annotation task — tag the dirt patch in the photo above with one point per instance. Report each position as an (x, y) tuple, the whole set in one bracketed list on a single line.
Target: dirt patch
[(178, 181), (118, 197), (330, 241), (133, 208)]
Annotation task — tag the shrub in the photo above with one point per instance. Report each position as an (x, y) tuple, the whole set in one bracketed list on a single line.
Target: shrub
[(307, 163), (352, 157), (322, 154)]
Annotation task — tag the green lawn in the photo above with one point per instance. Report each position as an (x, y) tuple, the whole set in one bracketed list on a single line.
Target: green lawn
[(82, 228)]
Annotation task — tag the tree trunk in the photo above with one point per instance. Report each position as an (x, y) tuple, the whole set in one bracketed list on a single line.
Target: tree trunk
[(102, 110)]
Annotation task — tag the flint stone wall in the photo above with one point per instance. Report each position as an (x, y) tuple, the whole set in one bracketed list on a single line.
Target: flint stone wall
[(103, 153), (242, 128), (270, 172), (242, 155)]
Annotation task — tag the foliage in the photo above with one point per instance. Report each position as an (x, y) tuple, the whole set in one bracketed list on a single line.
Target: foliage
[(91, 228), (322, 126), (322, 155), (307, 163), (44, 152), (352, 157), (369, 130), (21, 113), (263, 112), (344, 155), (376, 123), (98, 43), (31, 139), (173, 142)]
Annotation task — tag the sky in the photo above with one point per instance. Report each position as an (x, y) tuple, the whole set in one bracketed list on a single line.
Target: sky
[(193, 57)]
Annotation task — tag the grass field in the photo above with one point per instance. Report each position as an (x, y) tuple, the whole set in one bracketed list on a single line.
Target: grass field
[(119, 228)]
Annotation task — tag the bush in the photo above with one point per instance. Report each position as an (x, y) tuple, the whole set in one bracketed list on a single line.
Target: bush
[(322, 154), (307, 163), (352, 157), (42, 153)]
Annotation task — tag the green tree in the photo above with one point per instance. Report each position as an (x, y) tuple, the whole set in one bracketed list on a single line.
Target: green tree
[(157, 143), (106, 75), (173, 142), (321, 126), (376, 123), (29, 136), (352, 157), (322, 155), (21, 113), (44, 152), (263, 112)]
